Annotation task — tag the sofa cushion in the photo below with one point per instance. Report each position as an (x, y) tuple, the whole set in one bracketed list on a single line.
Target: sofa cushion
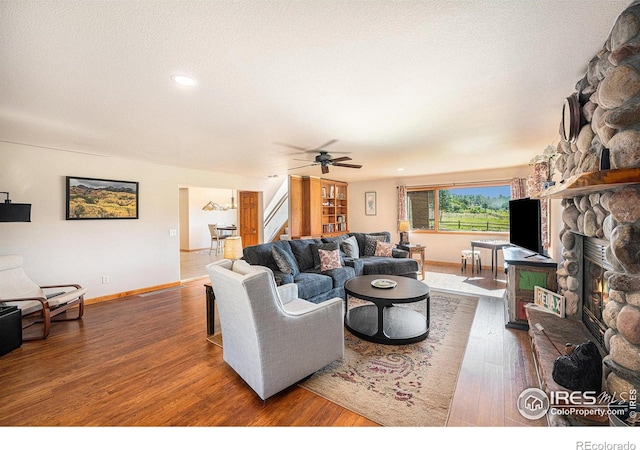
[(383, 265), (371, 242), (336, 239), (329, 259), (356, 264), (285, 261), (350, 247), (312, 284), (340, 275), (400, 253), (303, 250), (260, 254)]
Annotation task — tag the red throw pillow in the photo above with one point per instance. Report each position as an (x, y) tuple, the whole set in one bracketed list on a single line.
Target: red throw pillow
[(329, 259), (384, 249)]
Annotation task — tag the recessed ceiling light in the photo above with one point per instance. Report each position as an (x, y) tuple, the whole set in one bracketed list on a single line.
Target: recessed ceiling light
[(400, 169), (184, 80)]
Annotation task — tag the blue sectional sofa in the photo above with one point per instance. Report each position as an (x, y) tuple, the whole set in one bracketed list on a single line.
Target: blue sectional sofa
[(317, 286)]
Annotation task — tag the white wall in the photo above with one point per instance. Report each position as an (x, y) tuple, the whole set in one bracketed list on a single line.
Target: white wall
[(444, 247), (135, 254)]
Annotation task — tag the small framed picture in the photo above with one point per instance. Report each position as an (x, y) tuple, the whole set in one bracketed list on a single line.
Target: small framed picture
[(370, 203)]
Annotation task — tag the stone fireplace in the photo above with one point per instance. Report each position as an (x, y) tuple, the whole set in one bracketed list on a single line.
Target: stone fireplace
[(599, 272)]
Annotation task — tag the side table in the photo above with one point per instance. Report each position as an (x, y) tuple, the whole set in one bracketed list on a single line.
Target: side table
[(413, 249), (211, 313)]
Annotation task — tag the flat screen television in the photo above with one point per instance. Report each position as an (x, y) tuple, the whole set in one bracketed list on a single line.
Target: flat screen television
[(525, 224)]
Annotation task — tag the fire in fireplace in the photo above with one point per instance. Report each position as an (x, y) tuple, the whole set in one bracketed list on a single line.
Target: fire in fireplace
[(595, 287)]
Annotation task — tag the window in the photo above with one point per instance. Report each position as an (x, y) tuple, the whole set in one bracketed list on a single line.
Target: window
[(478, 208)]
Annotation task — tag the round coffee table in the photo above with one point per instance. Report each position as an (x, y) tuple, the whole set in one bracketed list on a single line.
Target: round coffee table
[(383, 322)]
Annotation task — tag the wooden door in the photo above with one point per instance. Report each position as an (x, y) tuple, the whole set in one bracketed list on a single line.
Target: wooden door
[(248, 205)]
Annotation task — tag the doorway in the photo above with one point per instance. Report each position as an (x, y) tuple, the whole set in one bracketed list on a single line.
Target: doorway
[(196, 249)]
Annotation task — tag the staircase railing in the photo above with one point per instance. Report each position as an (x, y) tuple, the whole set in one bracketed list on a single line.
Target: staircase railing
[(277, 215)]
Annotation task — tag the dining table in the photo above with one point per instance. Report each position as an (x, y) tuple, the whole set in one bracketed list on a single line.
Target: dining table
[(231, 228)]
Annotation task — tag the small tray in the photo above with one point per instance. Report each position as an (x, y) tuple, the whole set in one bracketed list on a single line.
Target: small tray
[(383, 283)]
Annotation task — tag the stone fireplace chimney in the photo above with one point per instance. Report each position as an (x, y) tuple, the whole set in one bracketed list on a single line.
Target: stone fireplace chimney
[(603, 204)]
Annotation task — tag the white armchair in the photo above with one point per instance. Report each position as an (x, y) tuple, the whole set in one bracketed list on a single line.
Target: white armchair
[(270, 337), (37, 304)]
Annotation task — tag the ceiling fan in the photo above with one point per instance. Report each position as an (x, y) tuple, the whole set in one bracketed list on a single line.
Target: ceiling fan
[(323, 159)]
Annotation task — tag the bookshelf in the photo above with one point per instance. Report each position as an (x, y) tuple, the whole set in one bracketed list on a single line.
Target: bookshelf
[(317, 207), (334, 208)]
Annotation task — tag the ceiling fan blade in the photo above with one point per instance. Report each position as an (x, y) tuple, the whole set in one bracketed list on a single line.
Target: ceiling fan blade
[(300, 167), (332, 141), (352, 166), (325, 169), (292, 146), (342, 158)]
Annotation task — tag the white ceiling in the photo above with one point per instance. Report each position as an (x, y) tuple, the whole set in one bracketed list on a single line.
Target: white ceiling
[(427, 86)]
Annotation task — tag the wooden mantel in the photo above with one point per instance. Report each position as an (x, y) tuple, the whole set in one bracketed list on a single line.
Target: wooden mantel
[(591, 182)]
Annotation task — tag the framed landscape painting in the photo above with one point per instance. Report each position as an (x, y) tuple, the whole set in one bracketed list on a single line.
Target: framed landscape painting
[(94, 198)]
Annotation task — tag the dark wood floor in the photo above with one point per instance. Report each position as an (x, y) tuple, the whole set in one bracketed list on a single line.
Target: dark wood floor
[(145, 361)]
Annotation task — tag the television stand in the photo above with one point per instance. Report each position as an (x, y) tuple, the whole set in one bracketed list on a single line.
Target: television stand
[(524, 272)]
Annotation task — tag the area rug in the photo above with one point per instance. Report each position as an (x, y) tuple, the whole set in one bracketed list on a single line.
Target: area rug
[(401, 385)]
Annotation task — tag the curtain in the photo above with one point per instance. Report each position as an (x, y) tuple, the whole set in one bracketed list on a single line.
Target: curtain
[(540, 176), (402, 203), (533, 186), (518, 188)]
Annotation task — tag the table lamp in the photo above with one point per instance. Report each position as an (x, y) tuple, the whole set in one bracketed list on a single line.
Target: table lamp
[(233, 248), (403, 228)]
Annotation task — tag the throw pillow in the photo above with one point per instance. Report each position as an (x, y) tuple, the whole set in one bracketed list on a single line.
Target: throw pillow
[(337, 240), (370, 244), (329, 259), (285, 262), (350, 247), (316, 256), (384, 249)]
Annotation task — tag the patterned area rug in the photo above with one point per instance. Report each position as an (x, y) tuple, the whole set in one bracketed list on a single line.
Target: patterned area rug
[(402, 385)]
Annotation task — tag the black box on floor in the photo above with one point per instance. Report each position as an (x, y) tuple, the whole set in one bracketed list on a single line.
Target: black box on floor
[(10, 329)]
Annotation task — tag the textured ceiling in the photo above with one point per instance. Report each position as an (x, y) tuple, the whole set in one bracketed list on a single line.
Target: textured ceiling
[(426, 86)]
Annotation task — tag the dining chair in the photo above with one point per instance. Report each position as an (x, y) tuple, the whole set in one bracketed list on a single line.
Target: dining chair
[(218, 237)]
